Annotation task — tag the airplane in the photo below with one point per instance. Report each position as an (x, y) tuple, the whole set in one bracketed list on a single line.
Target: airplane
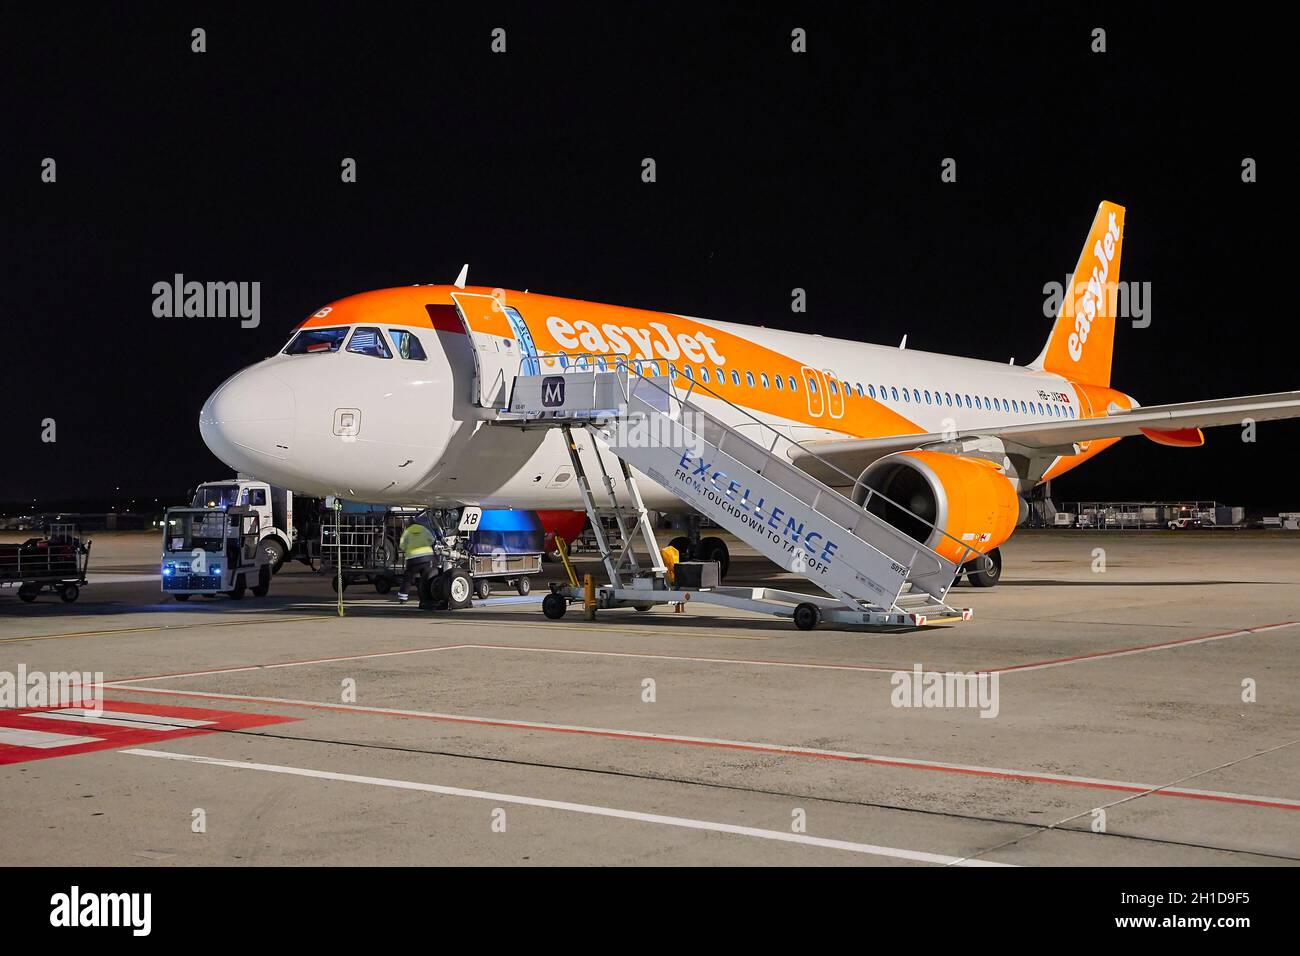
[(387, 396)]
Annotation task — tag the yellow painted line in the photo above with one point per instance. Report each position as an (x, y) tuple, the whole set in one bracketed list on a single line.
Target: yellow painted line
[(159, 627)]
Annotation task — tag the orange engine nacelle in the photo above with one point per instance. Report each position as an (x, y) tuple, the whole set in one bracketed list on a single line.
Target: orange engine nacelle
[(967, 498)]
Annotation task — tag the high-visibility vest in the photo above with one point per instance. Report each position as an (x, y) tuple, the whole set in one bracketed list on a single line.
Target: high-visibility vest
[(417, 541)]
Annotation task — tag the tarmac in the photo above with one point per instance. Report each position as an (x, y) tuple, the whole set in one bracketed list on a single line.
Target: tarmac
[(1134, 701)]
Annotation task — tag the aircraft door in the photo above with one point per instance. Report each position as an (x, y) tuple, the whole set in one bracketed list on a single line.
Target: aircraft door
[(502, 345)]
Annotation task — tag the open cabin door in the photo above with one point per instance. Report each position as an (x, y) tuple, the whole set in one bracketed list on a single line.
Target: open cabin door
[(502, 346)]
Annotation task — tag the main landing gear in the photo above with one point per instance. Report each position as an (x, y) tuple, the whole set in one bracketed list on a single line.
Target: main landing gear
[(986, 571), (706, 549)]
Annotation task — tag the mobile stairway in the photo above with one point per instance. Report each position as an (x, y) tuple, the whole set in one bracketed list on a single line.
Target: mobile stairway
[(871, 572)]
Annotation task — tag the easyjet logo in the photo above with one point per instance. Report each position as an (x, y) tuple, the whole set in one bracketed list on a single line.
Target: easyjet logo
[(657, 341), (1094, 296)]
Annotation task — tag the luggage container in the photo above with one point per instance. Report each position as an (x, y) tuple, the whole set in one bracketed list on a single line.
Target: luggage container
[(55, 563)]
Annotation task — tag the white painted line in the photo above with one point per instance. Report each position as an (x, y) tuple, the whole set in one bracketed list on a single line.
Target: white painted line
[(808, 665), (119, 577), (121, 718), (590, 809), (911, 763), (40, 740), (267, 667), (1146, 649)]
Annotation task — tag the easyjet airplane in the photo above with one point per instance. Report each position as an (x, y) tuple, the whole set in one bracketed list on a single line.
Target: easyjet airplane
[(387, 396)]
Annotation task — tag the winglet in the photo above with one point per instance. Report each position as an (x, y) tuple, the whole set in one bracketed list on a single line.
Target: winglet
[(460, 279)]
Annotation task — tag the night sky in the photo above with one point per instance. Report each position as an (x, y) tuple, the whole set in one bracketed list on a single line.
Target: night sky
[(775, 171)]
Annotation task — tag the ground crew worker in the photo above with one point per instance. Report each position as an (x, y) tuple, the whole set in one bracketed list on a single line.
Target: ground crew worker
[(417, 544)]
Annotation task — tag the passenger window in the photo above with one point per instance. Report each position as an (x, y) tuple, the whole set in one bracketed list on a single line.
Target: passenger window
[(832, 387), (704, 374), (871, 391), (763, 377), (368, 341), (860, 392), (779, 384), (947, 397), (906, 397), (812, 386), (749, 379), (793, 385), (927, 396), (407, 345), (735, 377), (894, 392), (686, 370), (310, 341)]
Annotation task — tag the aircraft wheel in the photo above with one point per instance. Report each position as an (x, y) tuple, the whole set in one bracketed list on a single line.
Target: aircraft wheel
[(989, 574), (807, 616), (714, 549), (458, 588), (554, 606)]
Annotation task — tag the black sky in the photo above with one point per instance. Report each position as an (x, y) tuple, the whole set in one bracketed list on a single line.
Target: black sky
[(775, 170)]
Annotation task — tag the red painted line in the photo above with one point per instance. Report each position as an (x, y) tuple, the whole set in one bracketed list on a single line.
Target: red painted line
[(113, 737), (903, 763)]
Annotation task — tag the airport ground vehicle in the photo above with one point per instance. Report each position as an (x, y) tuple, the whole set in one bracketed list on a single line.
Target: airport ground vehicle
[(872, 572), (285, 520), (503, 546), (213, 551), (359, 543), (56, 562)]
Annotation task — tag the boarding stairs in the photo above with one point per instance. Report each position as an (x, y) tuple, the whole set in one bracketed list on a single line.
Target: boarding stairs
[(872, 572)]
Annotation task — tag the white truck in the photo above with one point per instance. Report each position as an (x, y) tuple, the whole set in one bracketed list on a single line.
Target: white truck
[(274, 507)]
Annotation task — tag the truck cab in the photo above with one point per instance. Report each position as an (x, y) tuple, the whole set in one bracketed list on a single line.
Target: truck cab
[(213, 551), (273, 505)]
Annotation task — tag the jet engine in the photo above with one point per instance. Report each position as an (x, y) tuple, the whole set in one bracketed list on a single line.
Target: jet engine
[(924, 493)]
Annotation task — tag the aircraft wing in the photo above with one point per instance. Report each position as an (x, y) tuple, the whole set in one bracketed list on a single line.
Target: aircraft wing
[(1176, 424)]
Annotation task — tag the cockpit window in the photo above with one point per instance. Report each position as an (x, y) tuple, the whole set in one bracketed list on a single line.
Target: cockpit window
[(368, 341), (408, 346), (316, 340)]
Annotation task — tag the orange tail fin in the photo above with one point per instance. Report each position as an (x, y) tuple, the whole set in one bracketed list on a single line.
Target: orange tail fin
[(1083, 338)]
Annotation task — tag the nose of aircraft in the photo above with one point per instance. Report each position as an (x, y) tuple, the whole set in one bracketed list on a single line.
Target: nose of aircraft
[(248, 422)]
